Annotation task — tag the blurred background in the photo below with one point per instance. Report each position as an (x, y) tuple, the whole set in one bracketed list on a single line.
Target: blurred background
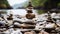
[(42, 6)]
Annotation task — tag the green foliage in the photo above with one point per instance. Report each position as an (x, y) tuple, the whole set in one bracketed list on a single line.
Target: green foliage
[(38, 2), (42, 3), (5, 2), (40, 11), (58, 4)]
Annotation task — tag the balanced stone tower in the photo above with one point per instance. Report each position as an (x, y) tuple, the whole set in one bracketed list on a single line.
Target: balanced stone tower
[(29, 24), (49, 19), (30, 14)]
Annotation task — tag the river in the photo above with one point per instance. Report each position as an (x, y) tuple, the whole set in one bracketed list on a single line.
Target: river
[(19, 11)]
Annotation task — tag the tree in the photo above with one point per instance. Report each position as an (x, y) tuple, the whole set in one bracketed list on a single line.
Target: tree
[(47, 4), (4, 4), (50, 4)]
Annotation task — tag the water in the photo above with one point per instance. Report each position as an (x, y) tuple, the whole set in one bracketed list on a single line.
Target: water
[(19, 11)]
